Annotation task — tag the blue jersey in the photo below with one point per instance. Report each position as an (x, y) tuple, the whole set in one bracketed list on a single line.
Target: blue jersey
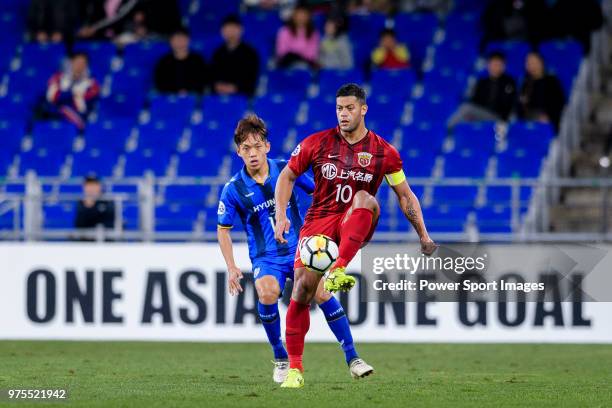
[(255, 205)]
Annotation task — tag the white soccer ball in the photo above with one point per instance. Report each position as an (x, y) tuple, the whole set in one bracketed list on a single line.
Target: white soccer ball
[(318, 253)]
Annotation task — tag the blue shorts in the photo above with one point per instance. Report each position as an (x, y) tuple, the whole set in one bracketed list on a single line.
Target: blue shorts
[(281, 268)]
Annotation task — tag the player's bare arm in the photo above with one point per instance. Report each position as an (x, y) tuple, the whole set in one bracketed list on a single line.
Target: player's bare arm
[(234, 273), (409, 203), (282, 194)]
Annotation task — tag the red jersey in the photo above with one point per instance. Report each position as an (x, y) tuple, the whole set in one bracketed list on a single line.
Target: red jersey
[(341, 169)]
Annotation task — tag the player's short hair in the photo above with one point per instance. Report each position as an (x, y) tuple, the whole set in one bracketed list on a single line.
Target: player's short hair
[(79, 54), (250, 124), (496, 55), (387, 32), (181, 31), (352, 90)]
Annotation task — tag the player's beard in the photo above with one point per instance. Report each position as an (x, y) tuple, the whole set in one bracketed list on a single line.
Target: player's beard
[(351, 127)]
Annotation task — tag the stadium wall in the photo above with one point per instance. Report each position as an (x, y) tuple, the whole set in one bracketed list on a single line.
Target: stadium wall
[(178, 292)]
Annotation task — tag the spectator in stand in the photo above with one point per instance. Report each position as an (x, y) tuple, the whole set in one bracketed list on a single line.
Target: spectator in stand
[(181, 71), (235, 64), (52, 20), (71, 94), (128, 21), (336, 48), (541, 97), (297, 43), (92, 210), (577, 19), (390, 54), (494, 95), (523, 20)]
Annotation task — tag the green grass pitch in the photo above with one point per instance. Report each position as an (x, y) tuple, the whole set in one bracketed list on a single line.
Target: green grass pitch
[(135, 374)]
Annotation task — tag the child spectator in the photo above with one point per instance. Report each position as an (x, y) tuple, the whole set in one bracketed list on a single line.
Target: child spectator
[(390, 54), (336, 48), (297, 43)]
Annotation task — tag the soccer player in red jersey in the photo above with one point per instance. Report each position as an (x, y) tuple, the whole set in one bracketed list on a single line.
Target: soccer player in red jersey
[(349, 164)]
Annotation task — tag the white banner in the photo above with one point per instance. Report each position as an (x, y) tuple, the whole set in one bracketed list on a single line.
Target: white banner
[(179, 292)]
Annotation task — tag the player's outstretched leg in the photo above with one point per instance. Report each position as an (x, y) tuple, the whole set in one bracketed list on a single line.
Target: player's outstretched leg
[(355, 230), (339, 325), (268, 291), (298, 322)]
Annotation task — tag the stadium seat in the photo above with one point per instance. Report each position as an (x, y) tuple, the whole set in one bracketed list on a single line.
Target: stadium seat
[(463, 25), (6, 160), (268, 108), (206, 44), (212, 138), (122, 104), (445, 218), (173, 108), (364, 32), (11, 135), (132, 79), (424, 136), (43, 162), (448, 81), (15, 106), (417, 31), (563, 58), (532, 136), (456, 53), (7, 219), (519, 163), (46, 57), (433, 108), (385, 109), (31, 83), (332, 79), (393, 83), (176, 217), (54, 136), (160, 135), (144, 54), (465, 164), (418, 163), (187, 194), (321, 111), (100, 53), (131, 217), (199, 163), (93, 161), (223, 110), (140, 162), (475, 136), (515, 53), (295, 81), (496, 219), (59, 216), (502, 195), (462, 196), (109, 135)]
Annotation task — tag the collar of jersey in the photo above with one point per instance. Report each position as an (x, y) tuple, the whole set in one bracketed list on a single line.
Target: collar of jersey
[(342, 139), (250, 181)]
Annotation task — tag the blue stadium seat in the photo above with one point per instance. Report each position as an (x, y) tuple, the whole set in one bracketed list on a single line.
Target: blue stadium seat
[(465, 164), (448, 81), (332, 79), (563, 58), (59, 216), (223, 109), (418, 163), (6, 160), (15, 106), (322, 111), (417, 31), (7, 219), (71, 189), (131, 217), (384, 109), (204, 23), (176, 217), (393, 82), (173, 107), (93, 161), (122, 104), (464, 26), (502, 195), (456, 53), (424, 136), (30, 82), (11, 135), (43, 162), (187, 194), (533, 136), (364, 32), (462, 196), (496, 219), (140, 162), (294, 81), (210, 219), (144, 54), (515, 52), (110, 135), (206, 44), (475, 136), (46, 57), (160, 135), (133, 79), (7, 53), (212, 138), (54, 136), (199, 163), (433, 108), (519, 163), (268, 108), (445, 218), (100, 53)]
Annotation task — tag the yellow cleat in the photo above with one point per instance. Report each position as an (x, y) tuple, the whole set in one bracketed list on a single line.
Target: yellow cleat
[(337, 279), (294, 379)]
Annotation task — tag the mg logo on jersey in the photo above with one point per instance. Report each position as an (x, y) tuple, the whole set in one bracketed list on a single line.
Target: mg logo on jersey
[(329, 171), (364, 159)]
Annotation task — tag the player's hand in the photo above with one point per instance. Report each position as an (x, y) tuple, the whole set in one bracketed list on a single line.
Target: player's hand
[(281, 228), (235, 275), (428, 246)]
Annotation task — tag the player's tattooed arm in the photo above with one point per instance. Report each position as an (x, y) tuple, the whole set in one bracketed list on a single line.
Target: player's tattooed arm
[(409, 203)]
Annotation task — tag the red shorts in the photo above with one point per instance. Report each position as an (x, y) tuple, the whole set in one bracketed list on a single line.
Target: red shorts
[(330, 226)]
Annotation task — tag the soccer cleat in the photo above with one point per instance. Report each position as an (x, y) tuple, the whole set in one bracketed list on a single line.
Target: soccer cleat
[(337, 279), (281, 367), (294, 379), (360, 368)]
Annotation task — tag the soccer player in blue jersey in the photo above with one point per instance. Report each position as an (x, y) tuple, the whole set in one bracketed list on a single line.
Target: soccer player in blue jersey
[(249, 195)]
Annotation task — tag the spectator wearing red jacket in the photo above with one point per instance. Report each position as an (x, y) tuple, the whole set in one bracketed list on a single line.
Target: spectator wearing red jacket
[(72, 93)]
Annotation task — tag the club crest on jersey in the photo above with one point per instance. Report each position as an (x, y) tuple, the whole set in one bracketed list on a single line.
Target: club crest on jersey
[(364, 159), (296, 151)]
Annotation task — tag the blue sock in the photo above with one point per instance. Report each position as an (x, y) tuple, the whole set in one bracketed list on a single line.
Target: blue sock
[(271, 322), (339, 324)]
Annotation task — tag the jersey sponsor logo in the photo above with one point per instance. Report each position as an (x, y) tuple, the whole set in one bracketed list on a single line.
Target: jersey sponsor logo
[(364, 159), (264, 205), (297, 150), (329, 171), (221, 209), (355, 175)]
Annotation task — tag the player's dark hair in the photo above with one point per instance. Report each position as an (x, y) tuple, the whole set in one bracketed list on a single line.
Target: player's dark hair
[(352, 90), (79, 54), (231, 19), (181, 31), (387, 32), (249, 125), (496, 55), (310, 27)]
